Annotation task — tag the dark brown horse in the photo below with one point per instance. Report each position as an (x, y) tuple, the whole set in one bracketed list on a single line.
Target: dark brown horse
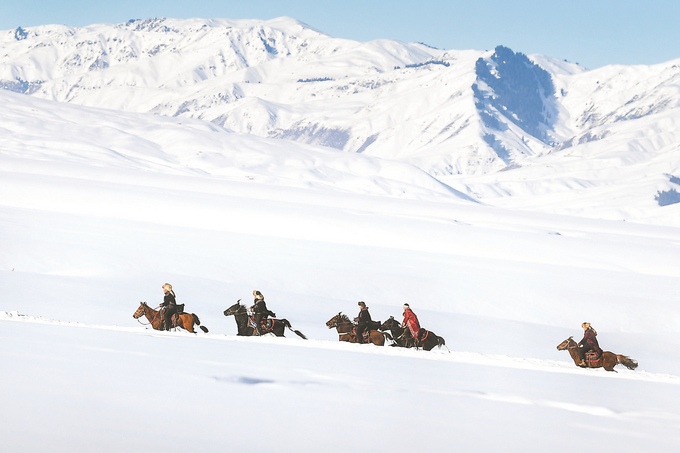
[(155, 317), (428, 340), (402, 336), (608, 361), (345, 328), (244, 329)]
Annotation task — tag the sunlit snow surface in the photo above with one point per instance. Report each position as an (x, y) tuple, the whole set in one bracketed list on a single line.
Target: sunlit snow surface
[(99, 208)]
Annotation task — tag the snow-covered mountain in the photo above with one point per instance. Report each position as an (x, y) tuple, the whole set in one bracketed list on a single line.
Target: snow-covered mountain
[(448, 112), (497, 126)]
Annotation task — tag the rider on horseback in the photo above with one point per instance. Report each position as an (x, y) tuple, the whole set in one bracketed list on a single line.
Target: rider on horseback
[(363, 321), (588, 343), (260, 311), (411, 321), (170, 305)]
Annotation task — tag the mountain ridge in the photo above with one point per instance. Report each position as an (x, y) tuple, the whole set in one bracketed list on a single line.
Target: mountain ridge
[(482, 122)]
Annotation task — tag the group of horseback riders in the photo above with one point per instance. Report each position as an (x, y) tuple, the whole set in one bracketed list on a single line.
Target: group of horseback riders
[(363, 321), (170, 308), (260, 313)]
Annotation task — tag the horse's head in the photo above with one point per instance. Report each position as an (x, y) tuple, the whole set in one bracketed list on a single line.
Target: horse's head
[(333, 322), (389, 324), (140, 311), (234, 309), (567, 344)]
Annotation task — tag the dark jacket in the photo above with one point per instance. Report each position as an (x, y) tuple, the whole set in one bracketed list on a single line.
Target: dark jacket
[(364, 317), (168, 299), (260, 307), (589, 338)]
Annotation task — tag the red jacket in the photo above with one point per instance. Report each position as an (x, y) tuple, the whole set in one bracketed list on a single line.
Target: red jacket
[(411, 320)]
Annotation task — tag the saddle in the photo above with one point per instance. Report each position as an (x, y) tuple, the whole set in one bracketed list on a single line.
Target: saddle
[(266, 325), (593, 358), (366, 334), (174, 319)]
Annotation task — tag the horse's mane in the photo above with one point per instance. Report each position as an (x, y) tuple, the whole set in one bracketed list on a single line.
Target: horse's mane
[(345, 318)]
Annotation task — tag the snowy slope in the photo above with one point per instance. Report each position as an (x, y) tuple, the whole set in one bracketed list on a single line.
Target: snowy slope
[(102, 203)]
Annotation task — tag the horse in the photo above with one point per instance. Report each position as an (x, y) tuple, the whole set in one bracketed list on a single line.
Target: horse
[(608, 360), (345, 328), (244, 328), (185, 320), (428, 340), (398, 333), (403, 338)]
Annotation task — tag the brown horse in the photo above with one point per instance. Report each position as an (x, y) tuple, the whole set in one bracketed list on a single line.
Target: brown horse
[(608, 361), (155, 317), (345, 328)]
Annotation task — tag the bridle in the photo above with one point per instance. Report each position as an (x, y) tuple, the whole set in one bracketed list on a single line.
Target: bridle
[(571, 344), (338, 320), (241, 310), (144, 306)]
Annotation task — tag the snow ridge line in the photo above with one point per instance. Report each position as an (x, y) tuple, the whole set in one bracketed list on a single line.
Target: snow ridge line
[(471, 358)]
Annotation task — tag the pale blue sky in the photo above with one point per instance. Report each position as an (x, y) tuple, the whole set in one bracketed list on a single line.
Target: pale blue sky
[(593, 33)]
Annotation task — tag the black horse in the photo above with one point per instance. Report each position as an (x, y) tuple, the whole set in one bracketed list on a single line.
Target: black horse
[(240, 314), (402, 336)]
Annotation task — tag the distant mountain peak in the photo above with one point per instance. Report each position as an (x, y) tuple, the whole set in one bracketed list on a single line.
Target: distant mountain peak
[(445, 111), (515, 88)]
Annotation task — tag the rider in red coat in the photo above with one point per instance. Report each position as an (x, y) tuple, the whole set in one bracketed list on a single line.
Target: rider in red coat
[(411, 321), (588, 343)]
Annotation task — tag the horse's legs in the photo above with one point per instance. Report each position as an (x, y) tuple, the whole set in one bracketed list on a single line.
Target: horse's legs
[(609, 361), (279, 328), (377, 338), (186, 321)]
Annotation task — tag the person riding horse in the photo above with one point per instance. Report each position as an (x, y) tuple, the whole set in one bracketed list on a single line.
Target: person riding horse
[(411, 321), (170, 305), (363, 321), (260, 311), (588, 343)]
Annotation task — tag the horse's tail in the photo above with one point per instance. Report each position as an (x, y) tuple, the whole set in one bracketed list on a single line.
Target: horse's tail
[(297, 332), (198, 323), (626, 361)]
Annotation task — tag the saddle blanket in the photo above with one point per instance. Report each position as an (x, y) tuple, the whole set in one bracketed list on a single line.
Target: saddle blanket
[(592, 357), (366, 334), (265, 324)]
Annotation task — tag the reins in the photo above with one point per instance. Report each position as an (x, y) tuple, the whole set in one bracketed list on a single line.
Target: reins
[(337, 325), (147, 316)]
